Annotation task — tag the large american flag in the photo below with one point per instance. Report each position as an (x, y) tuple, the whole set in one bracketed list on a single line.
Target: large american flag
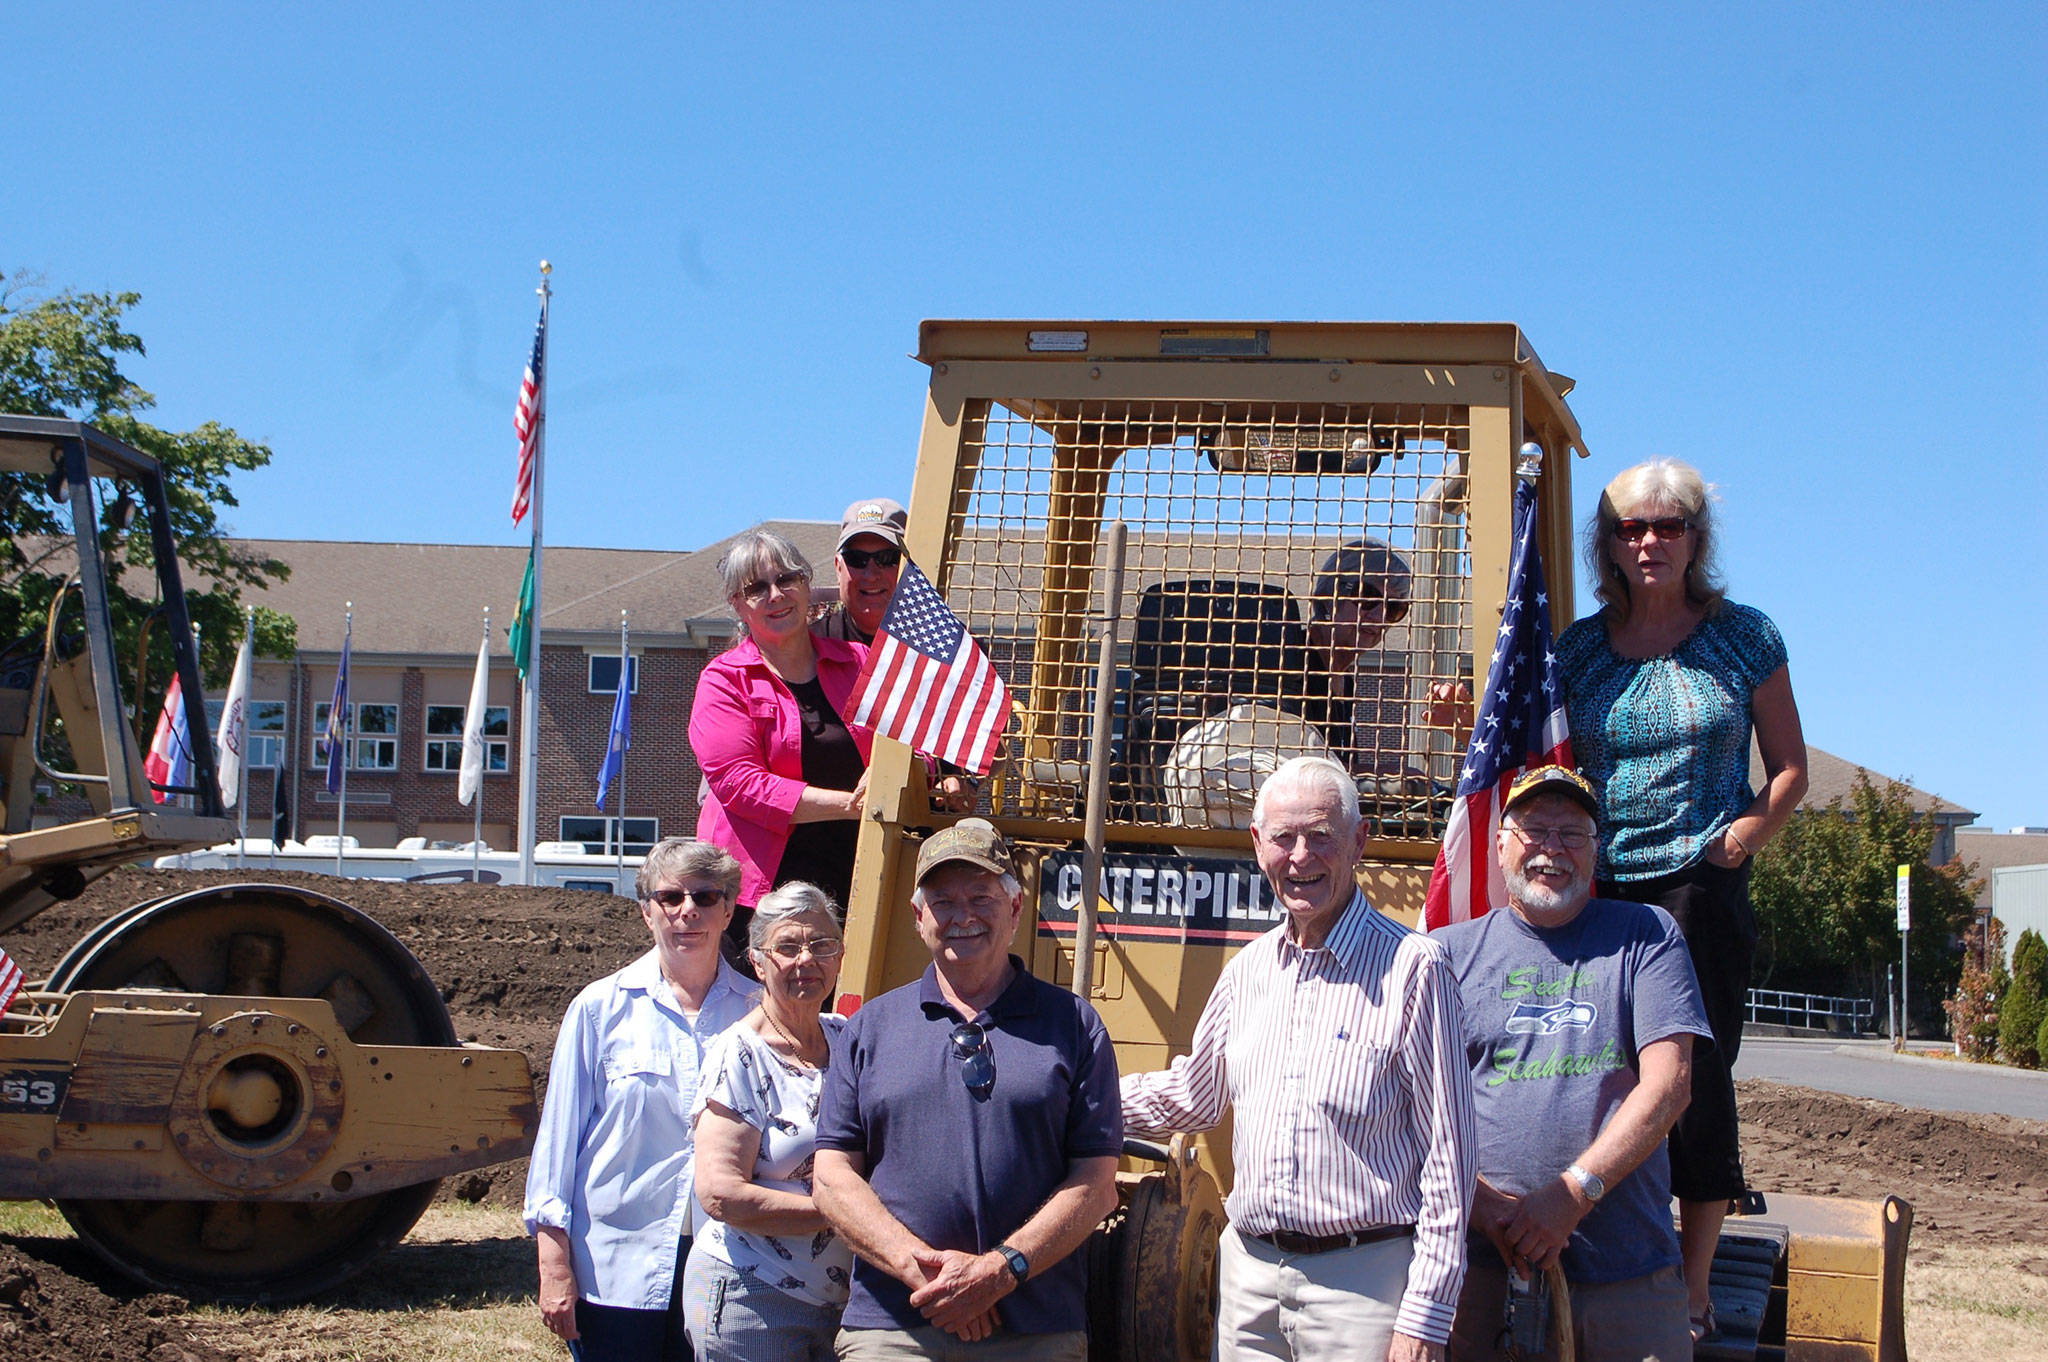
[(928, 684), (1520, 725), (10, 980), (526, 418)]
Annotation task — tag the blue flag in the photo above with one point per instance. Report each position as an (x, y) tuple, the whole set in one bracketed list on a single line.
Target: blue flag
[(337, 713), (621, 739)]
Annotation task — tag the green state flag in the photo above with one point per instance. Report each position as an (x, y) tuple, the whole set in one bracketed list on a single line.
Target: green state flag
[(522, 621)]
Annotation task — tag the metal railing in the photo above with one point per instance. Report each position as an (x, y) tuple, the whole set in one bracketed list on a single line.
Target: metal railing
[(1813, 1011)]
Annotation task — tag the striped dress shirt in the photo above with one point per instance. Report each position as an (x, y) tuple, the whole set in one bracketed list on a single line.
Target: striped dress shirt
[(1344, 1068)]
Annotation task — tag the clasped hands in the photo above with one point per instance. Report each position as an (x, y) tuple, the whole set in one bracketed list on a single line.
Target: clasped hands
[(1530, 1231), (958, 1291)]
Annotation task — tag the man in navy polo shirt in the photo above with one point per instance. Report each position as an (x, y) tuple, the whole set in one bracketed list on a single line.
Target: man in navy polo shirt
[(969, 1134)]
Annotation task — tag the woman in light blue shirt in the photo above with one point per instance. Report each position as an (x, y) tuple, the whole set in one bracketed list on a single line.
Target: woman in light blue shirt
[(608, 1190)]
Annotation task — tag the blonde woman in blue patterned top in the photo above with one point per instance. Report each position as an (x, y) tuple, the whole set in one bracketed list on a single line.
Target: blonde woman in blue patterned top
[(1664, 687), (768, 1277)]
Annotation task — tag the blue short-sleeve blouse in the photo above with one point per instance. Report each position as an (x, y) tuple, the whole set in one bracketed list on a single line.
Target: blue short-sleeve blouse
[(1666, 739)]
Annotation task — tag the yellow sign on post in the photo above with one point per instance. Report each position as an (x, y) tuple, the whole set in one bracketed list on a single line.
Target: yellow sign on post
[(1905, 898)]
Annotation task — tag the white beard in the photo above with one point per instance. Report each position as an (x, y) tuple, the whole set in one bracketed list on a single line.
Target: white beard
[(1538, 897)]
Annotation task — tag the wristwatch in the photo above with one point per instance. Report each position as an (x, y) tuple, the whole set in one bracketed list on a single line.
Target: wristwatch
[(1589, 1183), (1020, 1266)]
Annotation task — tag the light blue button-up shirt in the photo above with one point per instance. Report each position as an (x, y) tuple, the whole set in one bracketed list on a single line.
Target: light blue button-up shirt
[(612, 1164)]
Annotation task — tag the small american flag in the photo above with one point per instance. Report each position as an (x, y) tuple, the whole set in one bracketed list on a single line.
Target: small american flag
[(10, 980), (928, 684), (526, 418), (1520, 725)]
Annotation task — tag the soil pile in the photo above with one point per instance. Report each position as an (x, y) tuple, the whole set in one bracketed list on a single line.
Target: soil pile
[(51, 1308)]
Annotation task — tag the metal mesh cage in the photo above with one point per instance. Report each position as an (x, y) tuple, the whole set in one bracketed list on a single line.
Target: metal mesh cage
[(1296, 580)]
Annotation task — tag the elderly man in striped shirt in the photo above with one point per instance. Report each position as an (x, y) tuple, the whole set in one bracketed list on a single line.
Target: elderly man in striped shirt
[(1336, 1042)]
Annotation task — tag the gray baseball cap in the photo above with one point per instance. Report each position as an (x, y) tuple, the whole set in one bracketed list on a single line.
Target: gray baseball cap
[(876, 516)]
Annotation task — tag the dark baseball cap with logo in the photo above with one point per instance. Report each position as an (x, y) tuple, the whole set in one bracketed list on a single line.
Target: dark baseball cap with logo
[(1555, 780), (972, 840), (874, 515)]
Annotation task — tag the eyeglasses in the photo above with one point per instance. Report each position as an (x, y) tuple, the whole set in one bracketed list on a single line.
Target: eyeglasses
[(1633, 531), (978, 1059), (753, 593), (676, 898), (820, 948), (860, 558), (1390, 609), (1571, 839)]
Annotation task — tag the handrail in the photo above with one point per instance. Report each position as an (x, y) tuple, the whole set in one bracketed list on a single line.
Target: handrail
[(1813, 1011)]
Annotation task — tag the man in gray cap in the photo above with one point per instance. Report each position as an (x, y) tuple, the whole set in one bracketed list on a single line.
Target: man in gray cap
[(969, 1134), (1361, 593), (868, 557), (1580, 1018)]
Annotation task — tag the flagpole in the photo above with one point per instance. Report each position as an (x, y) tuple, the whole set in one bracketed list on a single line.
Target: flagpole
[(476, 839), (242, 780), (625, 675), (348, 632), (529, 707)]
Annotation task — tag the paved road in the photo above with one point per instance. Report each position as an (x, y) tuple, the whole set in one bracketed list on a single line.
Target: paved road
[(1869, 1069)]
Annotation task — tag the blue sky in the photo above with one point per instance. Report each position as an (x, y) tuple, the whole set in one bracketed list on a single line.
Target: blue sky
[(1802, 246)]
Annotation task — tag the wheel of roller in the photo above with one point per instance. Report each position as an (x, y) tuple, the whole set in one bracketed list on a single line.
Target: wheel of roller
[(264, 940)]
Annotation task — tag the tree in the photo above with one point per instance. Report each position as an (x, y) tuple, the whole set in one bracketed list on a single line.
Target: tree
[(1973, 1011), (1826, 898), (2024, 1010), (60, 355)]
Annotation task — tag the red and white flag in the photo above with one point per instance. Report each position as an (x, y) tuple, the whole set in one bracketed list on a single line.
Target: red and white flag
[(170, 750), (10, 980), (526, 418), (1520, 725), (928, 684)]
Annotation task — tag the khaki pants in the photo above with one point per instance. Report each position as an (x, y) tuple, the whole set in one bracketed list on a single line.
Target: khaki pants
[(1642, 1319), (1310, 1306), (936, 1345)]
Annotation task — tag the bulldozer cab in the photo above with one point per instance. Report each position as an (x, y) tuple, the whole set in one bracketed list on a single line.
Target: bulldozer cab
[(1316, 521), (64, 718)]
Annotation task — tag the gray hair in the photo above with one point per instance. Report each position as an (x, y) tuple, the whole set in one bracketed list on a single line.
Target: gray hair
[(1311, 775), (677, 858), (755, 556), (794, 899), (1660, 482), (1011, 888)]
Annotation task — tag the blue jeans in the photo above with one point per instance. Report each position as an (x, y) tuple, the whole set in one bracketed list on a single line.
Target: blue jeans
[(735, 1317), (615, 1333)]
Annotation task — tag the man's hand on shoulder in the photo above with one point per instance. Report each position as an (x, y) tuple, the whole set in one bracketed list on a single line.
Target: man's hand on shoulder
[(961, 1290), (1405, 1348), (1545, 1219)]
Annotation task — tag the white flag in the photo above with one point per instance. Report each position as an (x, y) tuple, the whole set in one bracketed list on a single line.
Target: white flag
[(234, 726), (472, 777)]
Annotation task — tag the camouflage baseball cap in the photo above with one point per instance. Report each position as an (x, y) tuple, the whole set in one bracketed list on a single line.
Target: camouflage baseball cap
[(1557, 780), (973, 840)]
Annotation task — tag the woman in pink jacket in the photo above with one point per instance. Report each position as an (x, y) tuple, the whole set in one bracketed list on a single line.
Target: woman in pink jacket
[(787, 774)]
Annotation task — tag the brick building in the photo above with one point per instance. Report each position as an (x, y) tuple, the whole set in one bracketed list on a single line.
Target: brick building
[(418, 620)]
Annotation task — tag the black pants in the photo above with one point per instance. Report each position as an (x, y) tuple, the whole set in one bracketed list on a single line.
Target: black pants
[(1711, 907), (614, 1333)]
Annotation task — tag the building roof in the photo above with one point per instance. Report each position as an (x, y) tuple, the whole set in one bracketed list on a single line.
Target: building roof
[(428, 599), (1992, 850), (1829, 777)]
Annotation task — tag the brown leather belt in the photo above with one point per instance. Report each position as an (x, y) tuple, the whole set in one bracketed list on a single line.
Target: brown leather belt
[(1287, 1241)]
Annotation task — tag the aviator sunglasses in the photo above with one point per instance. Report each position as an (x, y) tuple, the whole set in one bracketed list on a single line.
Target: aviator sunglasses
[(753, 593), (977, 1057), (1633, 531), (858, 559)]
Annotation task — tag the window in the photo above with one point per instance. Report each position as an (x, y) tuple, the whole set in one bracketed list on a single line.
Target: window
[(600, 835), (266, 729), (604, 675), (373, 743), (444, 737)]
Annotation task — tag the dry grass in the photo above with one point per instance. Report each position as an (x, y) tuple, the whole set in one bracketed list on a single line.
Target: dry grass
[(36, 1218), (1986, 1304)]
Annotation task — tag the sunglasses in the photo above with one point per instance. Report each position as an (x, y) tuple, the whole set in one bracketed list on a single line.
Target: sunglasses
[(676, 898), (753, 593), (1632, 531), (978, 1059), (860, 558), (1571, 839), (819, 948)]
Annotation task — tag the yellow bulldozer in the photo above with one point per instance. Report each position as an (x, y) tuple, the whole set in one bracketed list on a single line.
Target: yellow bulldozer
[(242, 1092), (1136, 519)]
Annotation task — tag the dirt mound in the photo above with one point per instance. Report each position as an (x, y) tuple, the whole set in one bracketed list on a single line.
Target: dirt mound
[(51, 1308), (1969, 1177)]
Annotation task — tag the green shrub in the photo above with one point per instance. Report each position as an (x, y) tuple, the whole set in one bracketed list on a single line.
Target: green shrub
[(2041, 1036), (2020, 1019), (2030, 959)]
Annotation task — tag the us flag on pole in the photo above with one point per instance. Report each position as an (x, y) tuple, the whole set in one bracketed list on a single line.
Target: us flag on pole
[(10, 980), (928, 684), (526, 418), (1520, 725)]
